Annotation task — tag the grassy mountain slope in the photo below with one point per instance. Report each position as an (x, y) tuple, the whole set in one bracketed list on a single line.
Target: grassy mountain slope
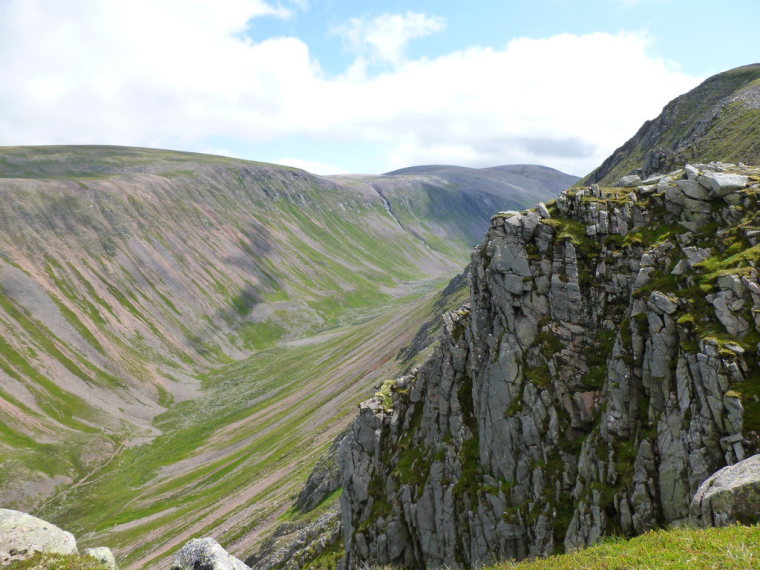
[(519, 183), (718, 120), (124, 273), (229, 463), (182, 334)]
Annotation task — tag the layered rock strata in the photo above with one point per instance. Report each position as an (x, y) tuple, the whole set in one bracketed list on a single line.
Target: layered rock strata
[(605, 366)]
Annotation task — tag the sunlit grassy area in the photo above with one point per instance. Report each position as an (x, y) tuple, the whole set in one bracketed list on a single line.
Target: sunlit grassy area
[(736, 547), (41, 561)]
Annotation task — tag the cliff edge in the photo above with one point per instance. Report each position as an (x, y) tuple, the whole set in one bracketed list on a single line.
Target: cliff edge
[(605, 366)]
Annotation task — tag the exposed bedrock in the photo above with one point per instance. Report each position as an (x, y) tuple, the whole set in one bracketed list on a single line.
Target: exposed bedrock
[(605, 367)]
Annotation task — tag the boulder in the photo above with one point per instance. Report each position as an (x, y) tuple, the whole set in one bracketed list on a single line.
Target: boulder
[(21, 535), (721, 184), (693, 189), (691, 171), (662, 303), (629, 181), (103, 555), (205, 554), (732, 495)]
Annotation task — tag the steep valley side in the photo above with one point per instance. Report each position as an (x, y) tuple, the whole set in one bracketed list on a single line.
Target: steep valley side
[(229, 463), (181, 335), (121, 284), (717, 120)]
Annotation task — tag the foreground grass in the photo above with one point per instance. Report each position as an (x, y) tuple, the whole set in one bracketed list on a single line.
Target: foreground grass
[(40, 561), (736, 547)]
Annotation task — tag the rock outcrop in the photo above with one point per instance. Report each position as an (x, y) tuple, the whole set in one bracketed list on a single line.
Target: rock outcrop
[(21, 535), (103, 555), (605, 366), (323, 481), (732, 495), (294, 546), (24, 537), (205, 554)]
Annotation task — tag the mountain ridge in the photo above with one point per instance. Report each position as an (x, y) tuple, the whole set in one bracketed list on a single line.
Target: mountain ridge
[(716, 120)]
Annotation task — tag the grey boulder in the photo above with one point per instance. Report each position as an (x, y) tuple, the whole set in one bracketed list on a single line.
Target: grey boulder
[(721, 183), (103, 555), (729, 496), (21, 535), (205, 554), (693, 189), (629, 181)]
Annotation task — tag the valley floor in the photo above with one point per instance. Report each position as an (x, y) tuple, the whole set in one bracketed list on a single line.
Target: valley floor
[(229, 463)]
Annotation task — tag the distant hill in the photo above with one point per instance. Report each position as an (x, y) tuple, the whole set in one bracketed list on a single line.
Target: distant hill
[(460, 199), (717, 120), (521, 184)]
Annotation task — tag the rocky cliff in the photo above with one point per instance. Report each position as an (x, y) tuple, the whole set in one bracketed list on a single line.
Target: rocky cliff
[(605, 366)]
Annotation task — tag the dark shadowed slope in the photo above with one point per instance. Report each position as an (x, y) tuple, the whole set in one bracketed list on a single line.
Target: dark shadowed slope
[(461, 200), (524, 184)]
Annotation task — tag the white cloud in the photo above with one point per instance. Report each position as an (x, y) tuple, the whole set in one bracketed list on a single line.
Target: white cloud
[(384, 38), (180, 74)]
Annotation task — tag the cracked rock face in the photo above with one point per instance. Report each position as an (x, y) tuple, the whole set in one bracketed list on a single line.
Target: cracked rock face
[(602, 371), (21, 535)]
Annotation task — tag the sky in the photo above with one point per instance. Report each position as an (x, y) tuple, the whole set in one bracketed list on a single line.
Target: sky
[(361, 86)]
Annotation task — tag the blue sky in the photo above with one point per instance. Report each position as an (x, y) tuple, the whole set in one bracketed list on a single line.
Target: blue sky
[(702, 37), (358, 86)]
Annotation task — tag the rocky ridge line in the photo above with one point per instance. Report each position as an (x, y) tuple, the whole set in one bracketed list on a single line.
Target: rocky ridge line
[(717, 119)]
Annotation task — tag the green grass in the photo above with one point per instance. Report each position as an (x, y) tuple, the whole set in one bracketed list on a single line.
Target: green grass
[(260, 336), (40, 561), (95, 162), (730, 548)]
